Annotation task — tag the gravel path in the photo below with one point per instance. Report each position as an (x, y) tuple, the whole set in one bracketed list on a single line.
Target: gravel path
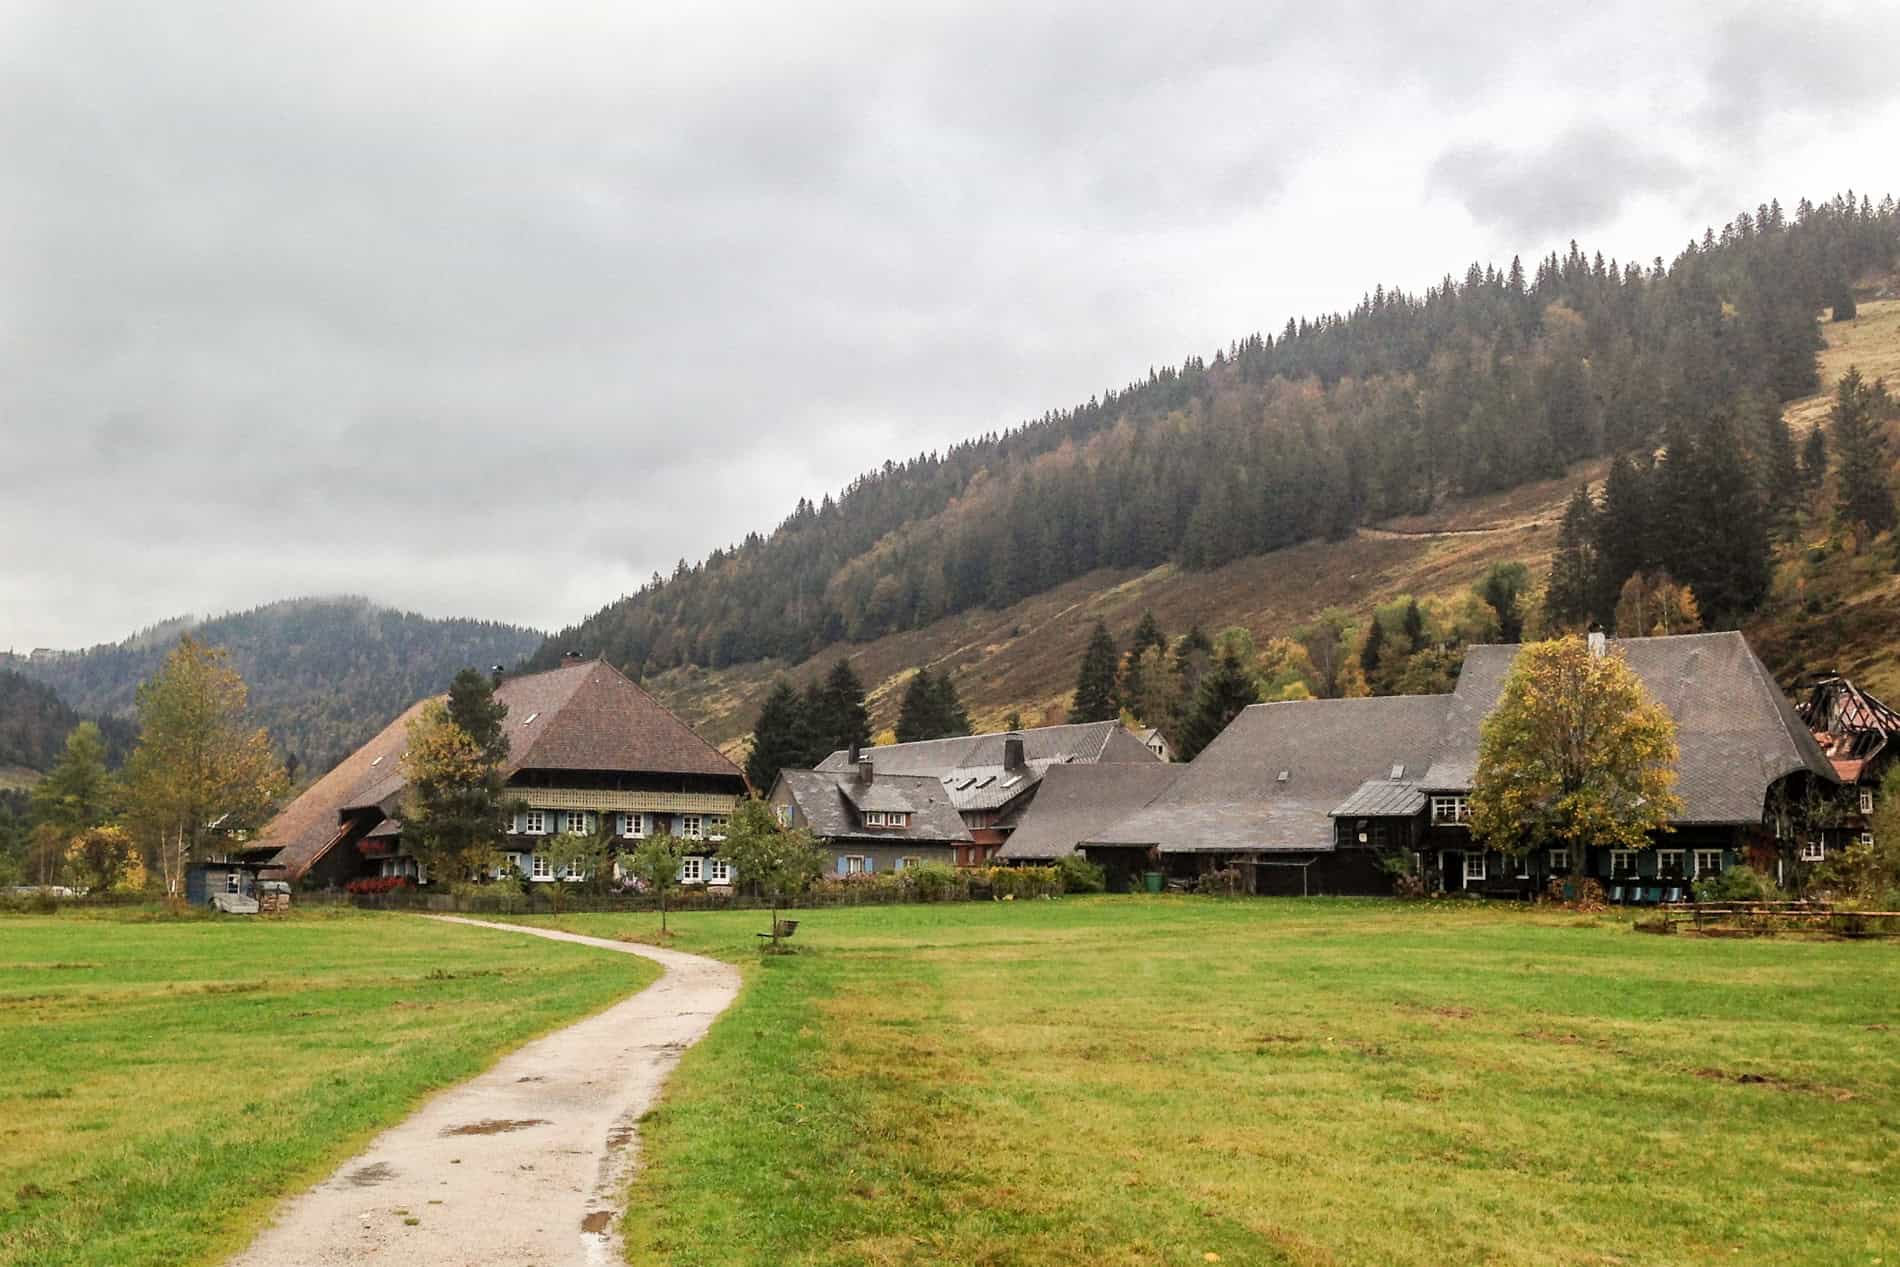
[(525, 1165)]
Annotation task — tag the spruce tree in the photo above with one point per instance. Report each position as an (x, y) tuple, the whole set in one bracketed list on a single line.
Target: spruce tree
[(841, 718), (1370, 650), (1414, 626), (1571, 598), (1864, 497), (914, 719), (1095, 681), (777, 739), (1719, 543), (1225, 690), (473, 707), (1814, 459), (946, 708), (1623, 533)]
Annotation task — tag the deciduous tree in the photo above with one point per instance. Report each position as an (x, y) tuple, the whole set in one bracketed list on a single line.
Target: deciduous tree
[(656, 863), (776, 862), (1576, 753), (196, 759)]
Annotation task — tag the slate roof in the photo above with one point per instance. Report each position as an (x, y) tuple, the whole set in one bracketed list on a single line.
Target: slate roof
[(585, 716), (1232, 798), (1736, 731), (1075, 801), (1104, 741), (823, 798)]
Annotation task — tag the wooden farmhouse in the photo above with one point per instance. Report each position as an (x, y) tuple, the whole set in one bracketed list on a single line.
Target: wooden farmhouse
[(1322, 796), (990, 779), (872, 822), (584, 743)]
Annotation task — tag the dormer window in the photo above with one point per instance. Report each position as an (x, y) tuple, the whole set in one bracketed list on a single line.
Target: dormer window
[(1451, 809), (886, 818)]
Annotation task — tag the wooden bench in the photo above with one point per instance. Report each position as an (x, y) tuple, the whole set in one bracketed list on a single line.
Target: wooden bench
[(781, 929)]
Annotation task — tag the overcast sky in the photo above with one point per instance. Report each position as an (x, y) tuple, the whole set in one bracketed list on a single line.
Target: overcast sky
[(494, 309)]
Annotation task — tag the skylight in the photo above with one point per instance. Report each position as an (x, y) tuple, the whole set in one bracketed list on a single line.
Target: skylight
[(1398, 770), (530, 718), (376, 762)]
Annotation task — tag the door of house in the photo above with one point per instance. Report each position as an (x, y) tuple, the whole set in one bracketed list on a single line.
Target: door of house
[(1451, 870)]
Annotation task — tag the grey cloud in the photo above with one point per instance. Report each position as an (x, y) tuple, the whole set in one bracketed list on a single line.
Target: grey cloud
[(1576, 183), (297, 298)]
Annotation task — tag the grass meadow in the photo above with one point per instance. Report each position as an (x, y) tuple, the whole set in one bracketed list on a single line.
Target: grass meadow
[(1167, 1080), (163, 1081)]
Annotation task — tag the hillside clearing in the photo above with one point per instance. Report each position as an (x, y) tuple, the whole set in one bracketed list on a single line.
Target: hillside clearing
[(167, 1080), (1129, 1080)]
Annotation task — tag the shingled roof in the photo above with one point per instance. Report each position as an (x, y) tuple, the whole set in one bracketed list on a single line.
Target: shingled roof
[(1275, 778), (824, 799), (1272, 778), (583, 716), (1735, 729), (1076, 801)]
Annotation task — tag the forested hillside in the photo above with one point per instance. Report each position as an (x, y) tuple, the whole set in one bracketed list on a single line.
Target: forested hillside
[(324, 674), (1480, 384), (34, 723)]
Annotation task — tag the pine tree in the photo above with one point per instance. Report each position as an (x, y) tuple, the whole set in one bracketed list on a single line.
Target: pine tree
[(1414, 627), (473, 707), (914, 712), (1781, 471), (1147, 634), (1864, 497), (1225, 690), (1718, 542), (1572, 596), (778, 741), (1095, 680)]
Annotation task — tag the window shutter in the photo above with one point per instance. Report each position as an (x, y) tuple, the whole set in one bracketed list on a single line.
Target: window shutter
[(870, 863), (841, 869)]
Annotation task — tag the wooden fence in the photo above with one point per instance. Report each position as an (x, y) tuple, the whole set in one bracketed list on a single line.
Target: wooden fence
[(1760, 919)]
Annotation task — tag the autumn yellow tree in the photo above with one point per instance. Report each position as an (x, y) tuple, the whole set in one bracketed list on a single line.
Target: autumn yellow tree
[(1576, 753), (196, 759), (1652, 604)]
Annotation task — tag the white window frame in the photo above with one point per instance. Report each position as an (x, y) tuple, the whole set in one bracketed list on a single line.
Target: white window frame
[(574, 871), (908, 860), (784, 815), (1866, 800), (1813, 851), (1623, 864), (1524, 866), (1559, 860), (854, 864), (231, 882), (692, 869), (534, 822), (873, 818), (1700, 855), (718, 871), (574, 822), (1867, 838), (1474, 867), (692, 827), (539, 867), (716, 825), (1451, 808), (633, 825), (1662, 864)]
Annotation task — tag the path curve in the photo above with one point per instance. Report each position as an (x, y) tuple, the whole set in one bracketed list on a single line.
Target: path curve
[(525, 1165)]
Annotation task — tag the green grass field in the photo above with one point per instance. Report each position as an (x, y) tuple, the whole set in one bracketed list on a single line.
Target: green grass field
[(1127, 1080), (162, 1082)]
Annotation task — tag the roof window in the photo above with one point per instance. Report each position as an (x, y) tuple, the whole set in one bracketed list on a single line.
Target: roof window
[(530, 719)]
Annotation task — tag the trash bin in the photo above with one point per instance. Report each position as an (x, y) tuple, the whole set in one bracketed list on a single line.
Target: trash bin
[(1151, 880)]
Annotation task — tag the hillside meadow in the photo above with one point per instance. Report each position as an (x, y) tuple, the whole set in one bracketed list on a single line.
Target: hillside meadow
[(167, 1080), (1180, 1080)]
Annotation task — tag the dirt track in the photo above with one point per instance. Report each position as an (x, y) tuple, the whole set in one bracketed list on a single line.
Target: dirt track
[(525, 1165)]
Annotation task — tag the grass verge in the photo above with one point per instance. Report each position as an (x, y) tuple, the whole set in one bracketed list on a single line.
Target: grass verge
[(1127, 1080), (167, 1081)]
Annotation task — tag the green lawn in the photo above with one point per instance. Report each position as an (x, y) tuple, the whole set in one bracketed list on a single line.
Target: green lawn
[(161, 1082), (1129, 1080)]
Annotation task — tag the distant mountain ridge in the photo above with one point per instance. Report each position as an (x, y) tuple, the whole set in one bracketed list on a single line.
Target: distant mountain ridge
[(324, 673), (34, 723)]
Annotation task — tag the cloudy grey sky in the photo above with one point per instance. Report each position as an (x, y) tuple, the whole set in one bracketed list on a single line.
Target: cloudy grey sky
[(493, 309)]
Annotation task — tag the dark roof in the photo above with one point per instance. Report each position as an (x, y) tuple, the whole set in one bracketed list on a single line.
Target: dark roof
[(1232, 797), (823, 801), (1094, 741), (585, 716), (1075, 801), (1735, 729), (1381, 798)]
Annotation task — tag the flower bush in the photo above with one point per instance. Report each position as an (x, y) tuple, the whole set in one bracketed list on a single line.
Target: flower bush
[(376, 884)]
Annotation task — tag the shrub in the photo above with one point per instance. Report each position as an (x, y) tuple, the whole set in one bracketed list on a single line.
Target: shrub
[(375, 885), (1079, 875), (1019, 882), (934, 882), (1224, 882), (1735, 884)]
